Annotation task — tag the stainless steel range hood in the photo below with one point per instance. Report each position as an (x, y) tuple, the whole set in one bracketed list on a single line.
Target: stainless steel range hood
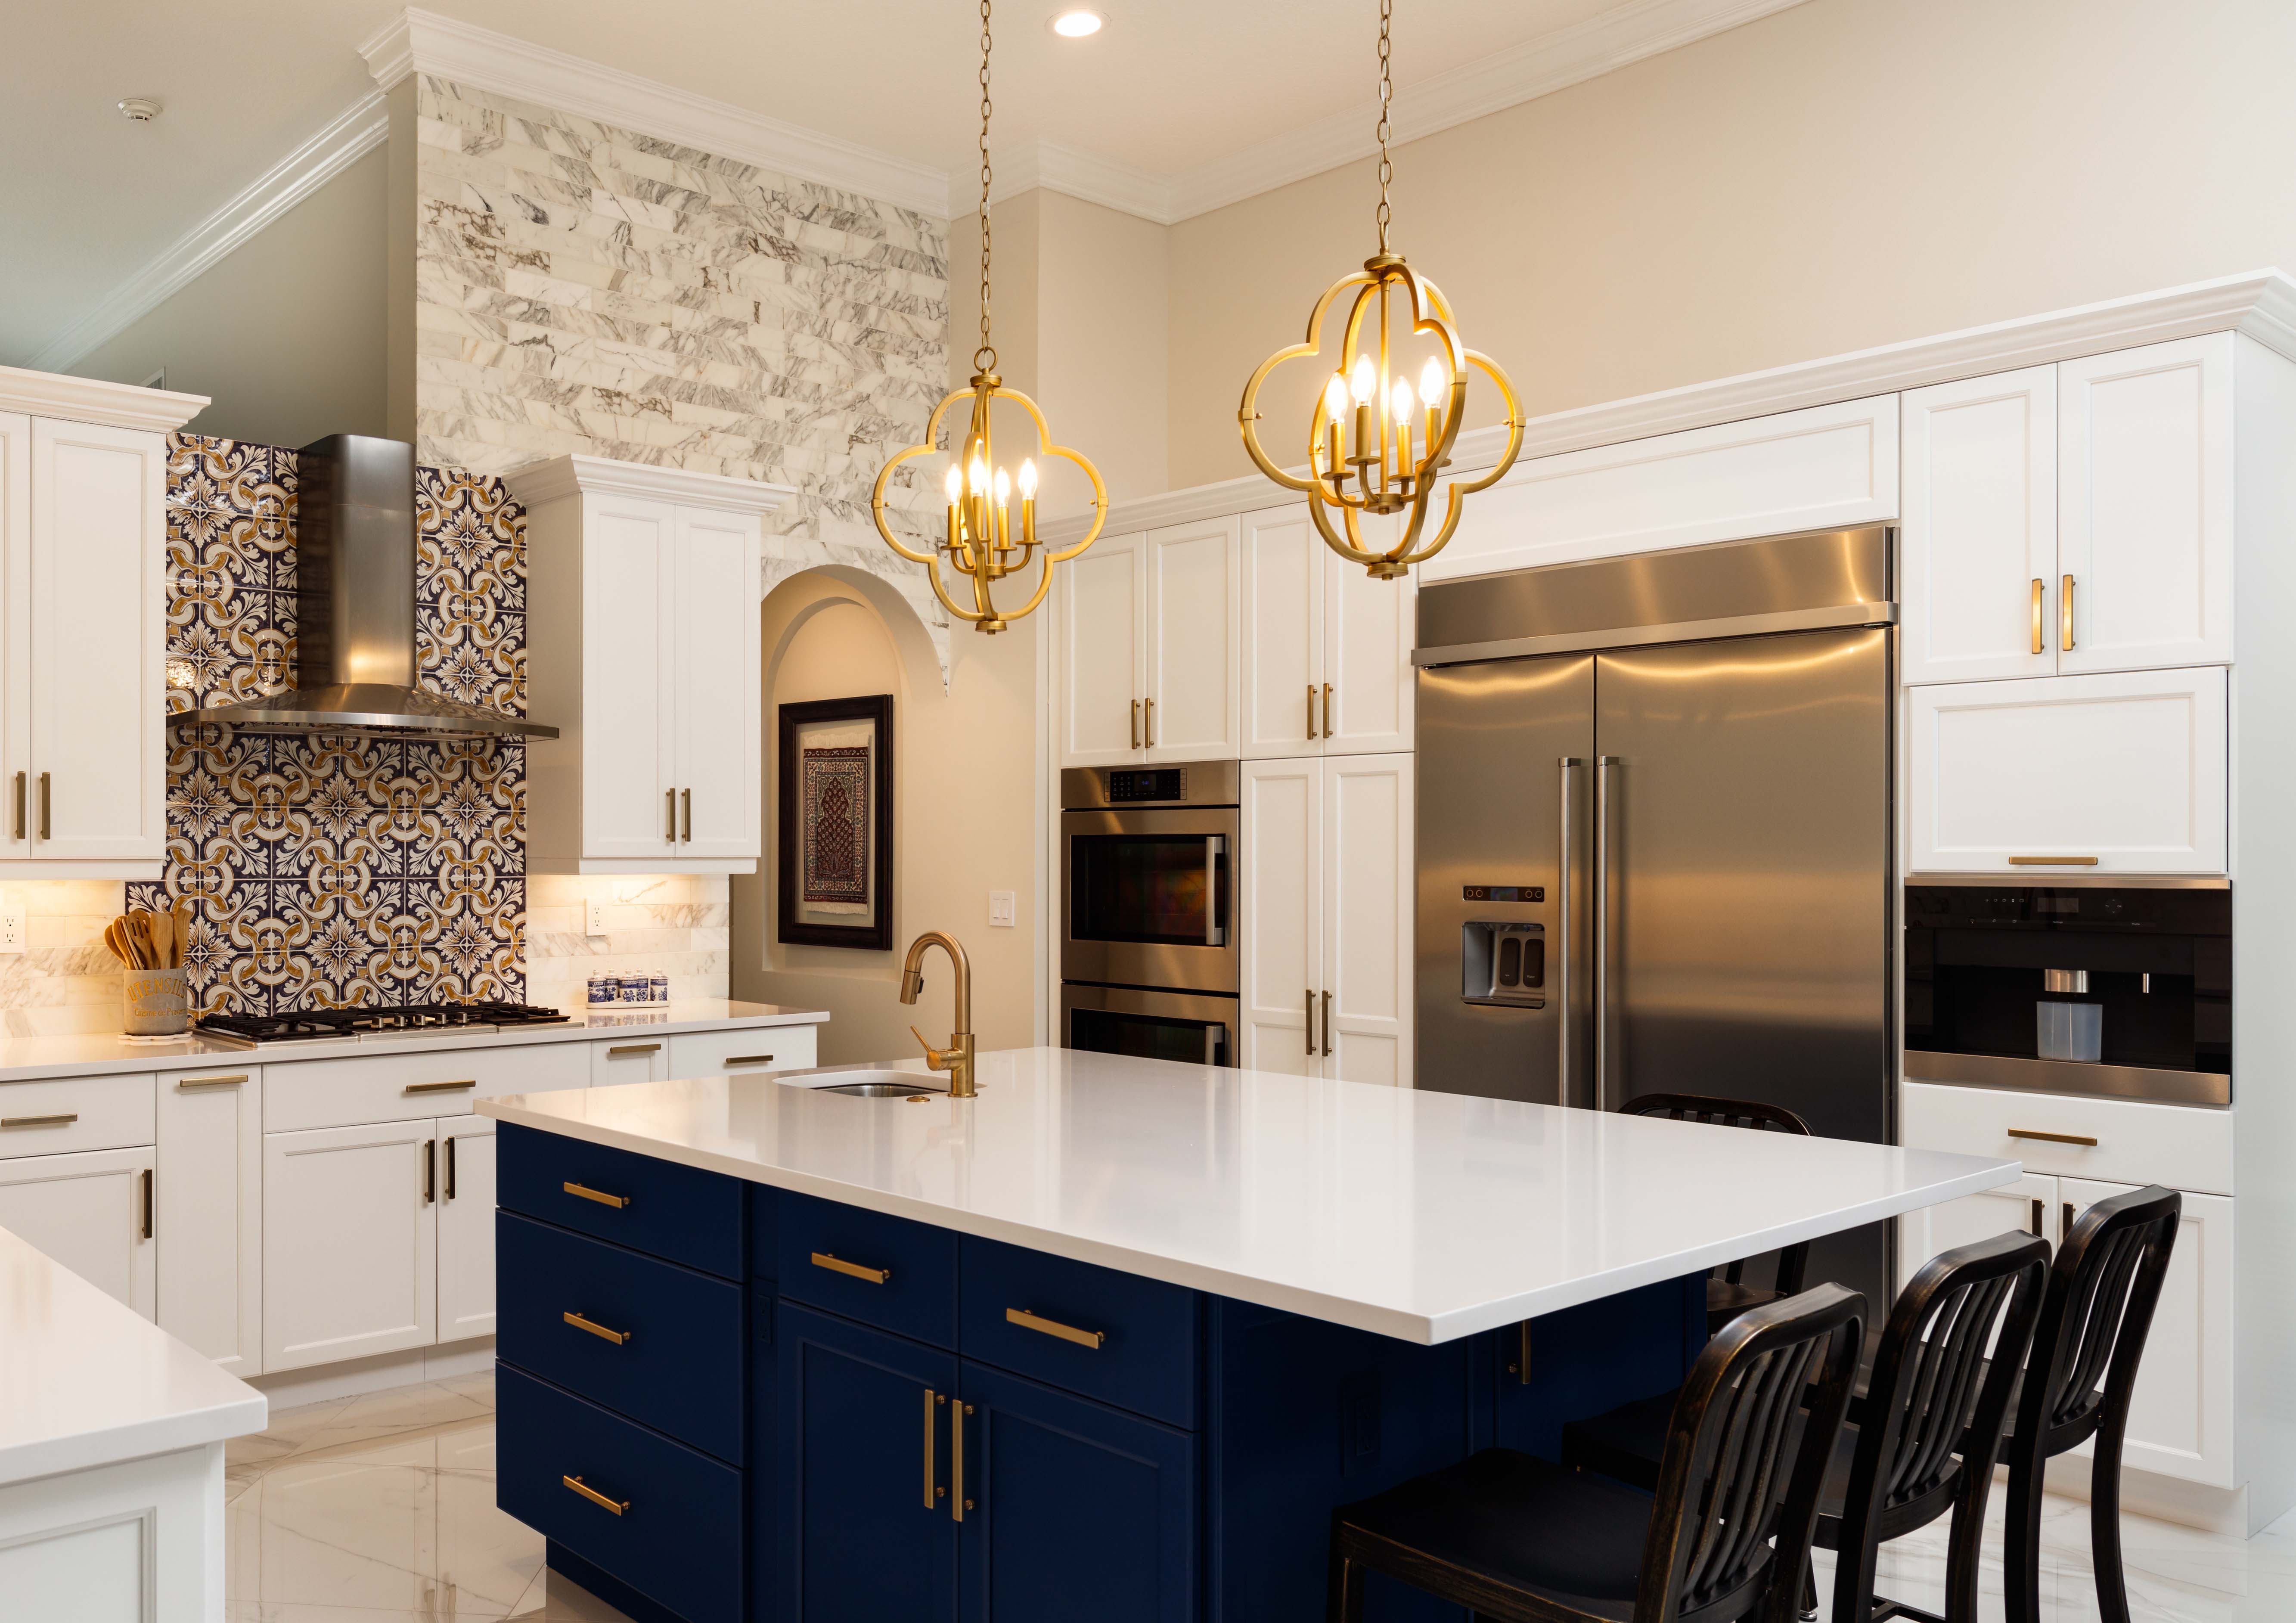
[(355, 559)]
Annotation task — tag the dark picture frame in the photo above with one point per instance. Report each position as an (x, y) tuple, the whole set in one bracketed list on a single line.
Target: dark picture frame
[(872, 932)]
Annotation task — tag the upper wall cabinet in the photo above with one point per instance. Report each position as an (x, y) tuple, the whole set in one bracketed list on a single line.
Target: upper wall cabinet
[(643, 587), (1326, 648), (1148, 647)]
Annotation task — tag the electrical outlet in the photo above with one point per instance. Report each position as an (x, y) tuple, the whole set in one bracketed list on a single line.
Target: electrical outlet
[(594, 918), (1000, 909), (11, 928)]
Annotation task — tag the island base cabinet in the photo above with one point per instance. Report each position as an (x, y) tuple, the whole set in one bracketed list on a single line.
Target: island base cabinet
[(137, 1542)]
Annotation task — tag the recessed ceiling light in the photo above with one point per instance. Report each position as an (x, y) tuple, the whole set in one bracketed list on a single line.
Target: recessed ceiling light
[(140, 109), (1076, 24)]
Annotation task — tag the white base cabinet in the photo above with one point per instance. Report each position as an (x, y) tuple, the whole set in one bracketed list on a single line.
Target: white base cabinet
[(91, 1212), (210, 1214), (466, 1227), (350, 1244), (1327, 917), (137, 1542), (1326, 655)]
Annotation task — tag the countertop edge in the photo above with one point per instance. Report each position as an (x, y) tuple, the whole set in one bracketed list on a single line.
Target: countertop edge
[(139, 1440), (1419, 1328)]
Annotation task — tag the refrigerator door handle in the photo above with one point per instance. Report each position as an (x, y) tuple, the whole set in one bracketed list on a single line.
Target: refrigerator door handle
[(1567, 771), (1602, 764)]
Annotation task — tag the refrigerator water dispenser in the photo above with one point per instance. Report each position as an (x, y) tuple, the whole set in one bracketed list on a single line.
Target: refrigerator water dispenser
[(1502, 962)]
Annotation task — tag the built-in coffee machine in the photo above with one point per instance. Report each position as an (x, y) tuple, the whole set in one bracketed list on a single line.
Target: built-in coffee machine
[(2125, 992)]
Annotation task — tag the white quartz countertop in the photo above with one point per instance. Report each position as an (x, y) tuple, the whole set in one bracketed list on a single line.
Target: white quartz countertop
[(86, 1380), (29, 1059), (1422, 1216)]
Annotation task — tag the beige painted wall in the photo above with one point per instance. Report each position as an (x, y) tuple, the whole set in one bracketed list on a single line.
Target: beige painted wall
[(285, 334), (1842, 174), (964, 797)]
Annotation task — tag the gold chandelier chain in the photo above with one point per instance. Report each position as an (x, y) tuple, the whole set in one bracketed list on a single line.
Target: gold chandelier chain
[(984, 359), (1386, 98)]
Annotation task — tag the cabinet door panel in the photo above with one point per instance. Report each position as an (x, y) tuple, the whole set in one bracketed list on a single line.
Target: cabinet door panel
[(1193, 643), (97, 594), (1078, 1511), (466, 1227), (2028, 1206), (2180, 1415), (15, 618), (1980, 528), (1368, 878), (629, 637), (2144, 462), (87, 1212), (210, 1218), (1368, 629), (859, 1541), (718, 742), (1283, 639), (2127, 770), (349, 1243), (1103, 661), (1282, 913)]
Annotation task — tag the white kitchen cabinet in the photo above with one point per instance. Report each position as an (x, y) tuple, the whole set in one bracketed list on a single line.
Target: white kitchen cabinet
[(350, 1255), (638, 1059), (1978, 542), (91, 1212), (1327, 654), (743, 1050), (209, 1213), (1193, 627), (1102, 599), (642, 586), (2123, 772), (2144, 468), (1327, 917), (466, 1227)]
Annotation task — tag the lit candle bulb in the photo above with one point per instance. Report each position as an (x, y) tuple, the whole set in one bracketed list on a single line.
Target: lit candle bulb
[(1362, 383), (1401, 407), (1335, 401), (1027, 503)]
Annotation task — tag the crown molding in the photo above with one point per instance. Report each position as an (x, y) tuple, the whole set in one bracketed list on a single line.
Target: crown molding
[(573, 475), (2260, 304), (119, 405), (1054, 167), (349, 137), (418, 41)]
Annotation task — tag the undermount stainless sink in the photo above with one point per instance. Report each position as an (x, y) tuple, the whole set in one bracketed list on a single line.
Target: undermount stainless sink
[(866, 1084)]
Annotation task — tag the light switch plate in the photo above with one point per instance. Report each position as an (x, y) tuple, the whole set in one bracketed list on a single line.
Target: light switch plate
[(1000, 909), (594, 918), (11, 928)]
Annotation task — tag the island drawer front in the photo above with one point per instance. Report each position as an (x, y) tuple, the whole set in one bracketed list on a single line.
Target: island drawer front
[(678, 1361), (2180, 1146), (668, 1210), (71, 1113), (750, 1051), (677, 1537), (1146, 1358), (358, 1090), (916, 1297)]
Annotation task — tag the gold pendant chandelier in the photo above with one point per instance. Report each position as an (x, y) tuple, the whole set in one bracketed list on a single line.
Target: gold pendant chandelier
[(1362, 426), (977, 543)]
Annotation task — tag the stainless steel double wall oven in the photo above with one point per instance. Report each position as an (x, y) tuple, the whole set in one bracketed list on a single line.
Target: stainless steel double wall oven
[(1149, 962)]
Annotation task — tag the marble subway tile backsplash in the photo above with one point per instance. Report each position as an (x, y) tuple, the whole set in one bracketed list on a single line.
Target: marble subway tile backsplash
[(66, 981), (664, 924)]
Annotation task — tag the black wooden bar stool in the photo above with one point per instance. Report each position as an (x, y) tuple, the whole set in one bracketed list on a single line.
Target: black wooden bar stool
[(1519, 1539), (2102, 1288), (1727, 1292), (1920, 1442)]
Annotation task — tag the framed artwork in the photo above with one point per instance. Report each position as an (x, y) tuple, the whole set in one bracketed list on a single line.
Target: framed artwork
[(835, 838)]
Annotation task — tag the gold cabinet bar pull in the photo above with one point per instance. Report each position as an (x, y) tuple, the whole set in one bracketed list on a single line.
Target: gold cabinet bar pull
[(438, 1087), (64, 1120), (616, 1505), (853, 1270), (1327, 710), (2065, 1228), (933, 1490), (46, 807), (2054, 1138), (1026, 1320), (958, 1502), (1311, 1019), (2065, 614), (617, 1201), (618, 1052), (671, 795), (451, 1143), (619, 1338), (2038, 1219), (2040, 590), (1328, 1024), (748, 1059), (1135, 724), (192, 1084), (1311, 709), (1520, 1368), (686, 796), (1152, 724), (2053, 862), (147, 1202), (20, 806)]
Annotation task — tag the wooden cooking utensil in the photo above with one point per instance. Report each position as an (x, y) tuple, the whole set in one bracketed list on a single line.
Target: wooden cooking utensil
[(115, 936), (183, 929), (139, 933), (162, 926)]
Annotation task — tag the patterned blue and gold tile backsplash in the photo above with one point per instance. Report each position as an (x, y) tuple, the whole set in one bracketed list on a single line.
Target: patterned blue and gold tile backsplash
[(324, 872)]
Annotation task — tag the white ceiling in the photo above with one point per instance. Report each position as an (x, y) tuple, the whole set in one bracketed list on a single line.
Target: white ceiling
[(1170, 98)]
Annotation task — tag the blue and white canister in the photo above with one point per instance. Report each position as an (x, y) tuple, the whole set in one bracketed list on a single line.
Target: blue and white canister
[(658, 989), (604, 989)]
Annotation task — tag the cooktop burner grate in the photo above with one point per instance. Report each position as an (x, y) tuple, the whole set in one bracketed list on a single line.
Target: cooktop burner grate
[(313, 1025)]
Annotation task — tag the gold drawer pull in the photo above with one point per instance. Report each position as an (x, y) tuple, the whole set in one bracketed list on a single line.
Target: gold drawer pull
[(2054, 1138), (616, 1054), (616, 1505), (838, 1264), (1026, 1320), (189, 1082), (64, 1120), (619, 1338), (617, 1201), (438, 1087), (749, 1058), (2053, 862)]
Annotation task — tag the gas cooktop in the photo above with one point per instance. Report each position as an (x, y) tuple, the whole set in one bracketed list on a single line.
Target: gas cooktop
[(406, 1020)]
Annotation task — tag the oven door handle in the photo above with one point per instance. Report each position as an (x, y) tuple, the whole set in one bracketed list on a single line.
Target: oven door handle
[(1215, 932)]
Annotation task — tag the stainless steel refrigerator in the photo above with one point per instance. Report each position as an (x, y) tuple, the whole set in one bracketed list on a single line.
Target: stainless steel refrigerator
[(1654, 834)]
